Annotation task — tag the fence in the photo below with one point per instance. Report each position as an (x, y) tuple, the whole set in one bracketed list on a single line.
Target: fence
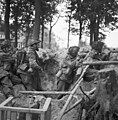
[(11, 113)]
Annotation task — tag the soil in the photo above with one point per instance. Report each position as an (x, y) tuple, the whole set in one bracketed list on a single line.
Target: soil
[(48, 79)]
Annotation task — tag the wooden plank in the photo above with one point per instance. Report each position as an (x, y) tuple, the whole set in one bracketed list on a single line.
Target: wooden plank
[(47, 110), (25, 110), (6, 101), (81, 76), (2, 115), (47, 103), (48, 113), (28, 116), (100, 63), (68, 101), (13, 115), (78, 102), (72, 93), (45, 92), (5, 115), (43, 116), (8, 115)]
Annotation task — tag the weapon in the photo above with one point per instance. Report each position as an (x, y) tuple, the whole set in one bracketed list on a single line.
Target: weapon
[(100, 63)]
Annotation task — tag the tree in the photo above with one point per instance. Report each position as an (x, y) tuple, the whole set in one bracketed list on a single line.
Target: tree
[(52, 11), (7, 15), (97, 14), (36, 29), (22, 21)]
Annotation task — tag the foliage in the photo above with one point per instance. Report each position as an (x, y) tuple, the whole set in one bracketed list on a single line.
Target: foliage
[(90, 10), (25, 15)]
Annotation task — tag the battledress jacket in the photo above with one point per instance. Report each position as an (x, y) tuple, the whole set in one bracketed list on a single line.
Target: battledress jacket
[(34, 64), (67, 67)]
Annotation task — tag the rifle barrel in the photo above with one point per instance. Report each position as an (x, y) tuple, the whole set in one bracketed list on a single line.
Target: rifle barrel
[(114, 51), (100, 63)]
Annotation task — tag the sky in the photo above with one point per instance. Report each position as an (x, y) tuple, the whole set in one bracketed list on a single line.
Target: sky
[(61, 30), (112, 39)]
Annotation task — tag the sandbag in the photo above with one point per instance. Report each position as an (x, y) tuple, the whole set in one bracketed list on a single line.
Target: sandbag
[(2, 97), (3, 73), (18, 88), (15, 79), (90, 74), (6, 81), (7, 90)]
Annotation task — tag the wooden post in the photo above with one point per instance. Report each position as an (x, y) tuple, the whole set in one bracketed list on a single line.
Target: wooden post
[(2, 115), (8, 115), (47, 110), (13, 116), (28, 116), (48, 113)]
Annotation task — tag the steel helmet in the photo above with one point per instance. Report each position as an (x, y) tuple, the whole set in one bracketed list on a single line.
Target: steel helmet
[(5, 44), (32, 42)]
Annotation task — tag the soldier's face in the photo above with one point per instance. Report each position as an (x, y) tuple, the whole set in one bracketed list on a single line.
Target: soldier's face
[(74, 52), (36, 46)]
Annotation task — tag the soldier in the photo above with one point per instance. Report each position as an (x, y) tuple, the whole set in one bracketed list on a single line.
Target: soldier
[(67, 71), (7, 66), (98, 54), (7, 56), (34, 63), (22, 68)]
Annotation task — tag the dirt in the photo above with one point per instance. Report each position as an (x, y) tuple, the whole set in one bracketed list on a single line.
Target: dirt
[(48, 78)]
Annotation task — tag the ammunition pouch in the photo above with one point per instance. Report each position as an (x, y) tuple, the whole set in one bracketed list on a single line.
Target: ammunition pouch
[(23, 68), (59, 73)]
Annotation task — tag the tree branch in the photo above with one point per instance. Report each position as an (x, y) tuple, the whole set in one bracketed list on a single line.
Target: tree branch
[(56, 21)]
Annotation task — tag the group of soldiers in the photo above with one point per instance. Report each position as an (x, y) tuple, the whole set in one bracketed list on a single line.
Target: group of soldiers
[(24, 67), (19, 69), (71, 67)]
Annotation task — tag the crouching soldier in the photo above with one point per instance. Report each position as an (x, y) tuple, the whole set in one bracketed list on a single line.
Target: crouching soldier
[(7, 66), (22, 68), (98, 54), (67, 71)]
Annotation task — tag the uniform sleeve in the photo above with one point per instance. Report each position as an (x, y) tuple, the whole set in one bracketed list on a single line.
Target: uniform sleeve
[(105, 55)]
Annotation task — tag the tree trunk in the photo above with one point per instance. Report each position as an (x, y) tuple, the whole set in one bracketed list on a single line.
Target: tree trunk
[(50, 31), (92, 23), (69, 31), (16, 24), (36, 29), (50, 36), (80, 33), (27, 29), (96, 35), (42, 37), (79, 4), (7, 14), (27, 37)]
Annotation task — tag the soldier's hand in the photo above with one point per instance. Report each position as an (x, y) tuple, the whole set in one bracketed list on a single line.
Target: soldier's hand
[(30, 70), (79, 63), (40, 68)]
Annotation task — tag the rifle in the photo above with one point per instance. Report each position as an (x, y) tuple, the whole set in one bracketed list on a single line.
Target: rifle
[(100, 63)]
